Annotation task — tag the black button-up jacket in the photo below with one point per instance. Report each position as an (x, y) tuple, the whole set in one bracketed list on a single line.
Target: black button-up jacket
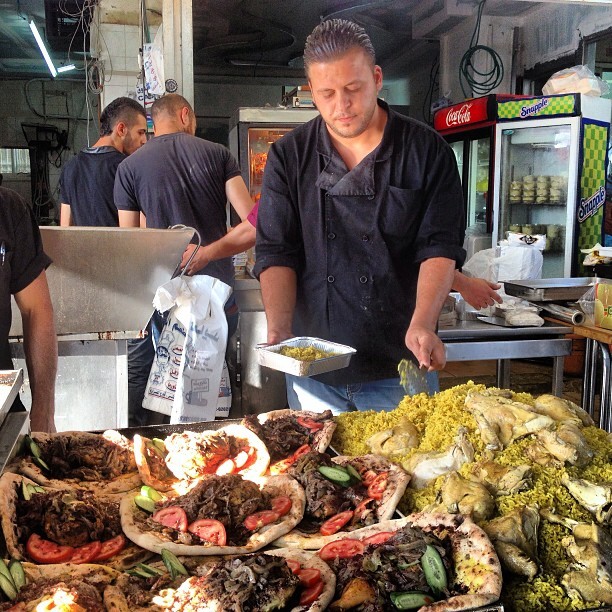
[(356, 239)]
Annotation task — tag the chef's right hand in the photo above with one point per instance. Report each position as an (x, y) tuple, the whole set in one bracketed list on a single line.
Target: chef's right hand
[(425, 345), (277, 335)]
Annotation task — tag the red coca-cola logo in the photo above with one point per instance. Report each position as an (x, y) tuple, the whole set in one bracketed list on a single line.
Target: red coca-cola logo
[(458, 116)]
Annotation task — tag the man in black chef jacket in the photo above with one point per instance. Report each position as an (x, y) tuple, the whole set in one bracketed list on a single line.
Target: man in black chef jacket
[(359, 230), (22, 274)]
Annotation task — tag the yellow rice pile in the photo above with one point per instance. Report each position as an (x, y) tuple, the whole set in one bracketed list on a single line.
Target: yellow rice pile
[(438, 419)]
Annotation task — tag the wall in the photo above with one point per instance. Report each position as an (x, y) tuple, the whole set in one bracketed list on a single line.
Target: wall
[(49, 102)]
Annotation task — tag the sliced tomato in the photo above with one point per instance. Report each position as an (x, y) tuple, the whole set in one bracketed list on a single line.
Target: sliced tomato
[(294, 565), (311, 594), (45, 551), (171, 516), (111, 547), (341, 549), (309, 576), (281, 504), (256, 521), (303, 450), (310, 423), (209, 530), (378, 538), (368, 476), (86, 553), (226, 467), (377, 487), (240, 459), (362, 507), (336, 523)]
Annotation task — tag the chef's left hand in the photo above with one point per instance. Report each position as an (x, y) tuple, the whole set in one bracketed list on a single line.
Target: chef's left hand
[(426, 347), (201, 259)]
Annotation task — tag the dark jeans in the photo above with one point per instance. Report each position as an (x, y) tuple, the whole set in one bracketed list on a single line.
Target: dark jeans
[(141, 353)]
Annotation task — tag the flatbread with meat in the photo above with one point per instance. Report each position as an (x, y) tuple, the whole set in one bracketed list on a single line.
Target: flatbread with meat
[(285, 580), (50, 526), (189, 455), (461, 572), (103, 463), (219, 515), (64, 587), (287, 432), (372, 493)]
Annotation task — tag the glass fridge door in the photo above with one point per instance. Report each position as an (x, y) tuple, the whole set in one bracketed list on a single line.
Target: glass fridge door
[(536, 189), (478, 184), (259, 141)]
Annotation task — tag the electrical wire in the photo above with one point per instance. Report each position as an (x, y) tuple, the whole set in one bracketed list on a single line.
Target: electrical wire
[(433, 85), (472, 80)]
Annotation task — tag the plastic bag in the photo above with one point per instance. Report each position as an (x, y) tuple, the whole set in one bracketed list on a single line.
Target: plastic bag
[(587, 305), (185, 378), (153, 55), (504, 263), (578, 79)]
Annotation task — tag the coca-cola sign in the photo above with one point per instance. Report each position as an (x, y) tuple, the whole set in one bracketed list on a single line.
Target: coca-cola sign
[(459, 115)]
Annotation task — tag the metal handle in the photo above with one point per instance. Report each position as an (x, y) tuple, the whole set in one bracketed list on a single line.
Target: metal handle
[(186, 266)]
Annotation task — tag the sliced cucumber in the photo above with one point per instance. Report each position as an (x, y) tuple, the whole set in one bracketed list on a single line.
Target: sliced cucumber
[(4, 571), (175, 567), (25, 490), (410, 600), (160, 444), (146, 503), (17, 573), (33, 446), (353, 473), (140, 573), (41, 463), (336, 474), (8, 587), (151, 493), (434, 570), (149, 569)]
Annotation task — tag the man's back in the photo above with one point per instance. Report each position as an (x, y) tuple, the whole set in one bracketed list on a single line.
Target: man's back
[(87, 183)]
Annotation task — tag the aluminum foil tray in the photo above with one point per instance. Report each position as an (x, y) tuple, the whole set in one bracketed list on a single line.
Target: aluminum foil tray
[(270, 357)]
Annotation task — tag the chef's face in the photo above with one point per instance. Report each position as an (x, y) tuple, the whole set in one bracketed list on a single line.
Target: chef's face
[(135, 136), (345, 92)]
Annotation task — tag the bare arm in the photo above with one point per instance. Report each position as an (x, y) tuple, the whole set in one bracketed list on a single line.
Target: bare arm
[(65, 215), (40, 345), (238, 239), (278, 290), (129, 218), (238, 195), (477, 292), (435, 281)]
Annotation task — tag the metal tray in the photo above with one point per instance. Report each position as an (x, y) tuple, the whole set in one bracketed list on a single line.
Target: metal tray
[(270, 357), (551, 289), (10, 383)]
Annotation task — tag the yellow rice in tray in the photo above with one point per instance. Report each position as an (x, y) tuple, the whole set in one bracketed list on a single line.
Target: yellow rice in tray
[(438, 419)]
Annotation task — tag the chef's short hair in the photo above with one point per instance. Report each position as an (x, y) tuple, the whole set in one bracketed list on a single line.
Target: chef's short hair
[(333, 38), (169, 104), (120, 109)]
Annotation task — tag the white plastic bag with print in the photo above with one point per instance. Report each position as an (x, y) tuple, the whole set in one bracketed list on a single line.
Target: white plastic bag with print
[(505, 263), (186, 374), (153, 56)]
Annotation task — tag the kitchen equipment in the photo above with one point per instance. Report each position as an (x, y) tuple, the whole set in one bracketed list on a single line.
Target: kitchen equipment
[(550, 289), (501, 321), (10, 383), (271, 357), (412, 378)]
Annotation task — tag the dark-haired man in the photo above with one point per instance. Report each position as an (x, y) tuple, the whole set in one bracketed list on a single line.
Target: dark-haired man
[(88, 179), (359, 230)]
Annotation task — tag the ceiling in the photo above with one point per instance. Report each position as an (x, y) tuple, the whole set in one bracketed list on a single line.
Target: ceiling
[(245, 38)]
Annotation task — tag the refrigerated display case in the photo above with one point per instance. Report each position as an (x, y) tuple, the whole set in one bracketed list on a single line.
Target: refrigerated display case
[(533, 165)]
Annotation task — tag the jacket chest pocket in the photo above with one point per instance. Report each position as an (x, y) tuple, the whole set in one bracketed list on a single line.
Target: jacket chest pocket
[(401, 212)]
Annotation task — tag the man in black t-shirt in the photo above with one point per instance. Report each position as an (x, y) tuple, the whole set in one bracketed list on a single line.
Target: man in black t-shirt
[(22, 274), (88, 179)]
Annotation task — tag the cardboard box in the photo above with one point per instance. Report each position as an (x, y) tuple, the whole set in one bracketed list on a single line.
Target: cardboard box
[(603, 305)]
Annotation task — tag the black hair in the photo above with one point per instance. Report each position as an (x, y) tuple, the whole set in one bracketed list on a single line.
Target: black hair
[(121, 109), (169, 104), (333, 38)]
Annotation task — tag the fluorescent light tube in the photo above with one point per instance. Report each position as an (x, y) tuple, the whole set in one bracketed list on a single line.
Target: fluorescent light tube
[(43, 49), (66, 68)]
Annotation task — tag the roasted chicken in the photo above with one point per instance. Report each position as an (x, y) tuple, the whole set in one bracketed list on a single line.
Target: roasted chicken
[(567, 445), (396, 441), (562, 410), (500, 479), (596, 498)]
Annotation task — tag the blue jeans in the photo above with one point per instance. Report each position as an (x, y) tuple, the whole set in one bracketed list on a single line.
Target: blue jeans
[(309, 394), (141, 353)]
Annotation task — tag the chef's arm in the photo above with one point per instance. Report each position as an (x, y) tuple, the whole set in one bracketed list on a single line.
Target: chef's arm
[(434, 284), (65, 215), (238, 195), (477, 292), (40, 346), (278, 290), (129, 218)]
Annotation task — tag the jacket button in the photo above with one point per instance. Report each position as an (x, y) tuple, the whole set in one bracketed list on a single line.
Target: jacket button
[(365, 237), (371, 197), (363, 279), (331, 235), (330, 279)]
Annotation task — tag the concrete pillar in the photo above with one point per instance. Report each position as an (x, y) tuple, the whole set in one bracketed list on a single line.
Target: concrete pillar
[(178, 45)]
